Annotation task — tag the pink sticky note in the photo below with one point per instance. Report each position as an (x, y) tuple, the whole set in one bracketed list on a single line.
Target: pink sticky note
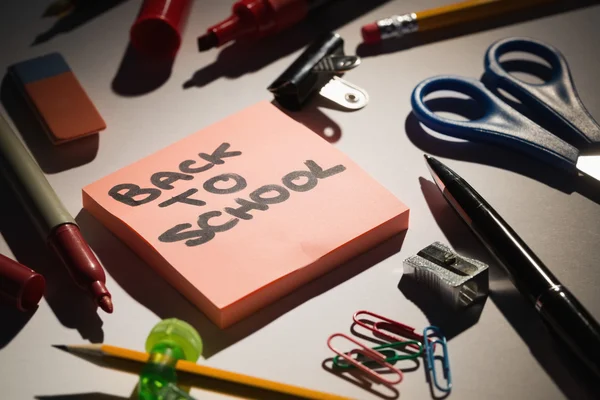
[(246, 210)]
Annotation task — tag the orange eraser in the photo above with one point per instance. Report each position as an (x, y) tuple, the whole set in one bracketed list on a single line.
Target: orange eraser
[(245, 211), (57, 97)]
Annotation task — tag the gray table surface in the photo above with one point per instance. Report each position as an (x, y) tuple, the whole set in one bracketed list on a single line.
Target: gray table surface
[(498, 351)]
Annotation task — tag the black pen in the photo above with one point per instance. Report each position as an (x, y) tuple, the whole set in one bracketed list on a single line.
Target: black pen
[(554, 302)]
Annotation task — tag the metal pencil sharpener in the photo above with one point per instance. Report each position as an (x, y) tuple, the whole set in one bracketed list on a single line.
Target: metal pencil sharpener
[(459, 281)]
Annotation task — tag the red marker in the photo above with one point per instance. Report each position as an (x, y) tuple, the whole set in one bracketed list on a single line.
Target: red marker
[(256, 19), (51, 217)]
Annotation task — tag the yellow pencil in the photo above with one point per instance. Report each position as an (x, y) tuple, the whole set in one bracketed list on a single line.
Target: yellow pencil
[(195, 375), (441, 17)]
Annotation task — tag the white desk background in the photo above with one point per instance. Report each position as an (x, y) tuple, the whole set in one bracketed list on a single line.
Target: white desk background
[(504, 352)]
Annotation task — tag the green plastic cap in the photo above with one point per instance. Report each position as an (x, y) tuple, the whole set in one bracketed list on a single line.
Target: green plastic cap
[(174, 332)]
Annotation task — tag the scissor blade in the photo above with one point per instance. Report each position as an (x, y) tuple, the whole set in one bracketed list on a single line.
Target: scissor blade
[(589, 165)]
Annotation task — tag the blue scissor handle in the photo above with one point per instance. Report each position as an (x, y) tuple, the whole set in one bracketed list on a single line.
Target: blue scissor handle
[(500, 124), (555, 99)]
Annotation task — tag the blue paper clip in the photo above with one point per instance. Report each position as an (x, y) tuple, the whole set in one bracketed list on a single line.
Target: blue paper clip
[(429, 344)]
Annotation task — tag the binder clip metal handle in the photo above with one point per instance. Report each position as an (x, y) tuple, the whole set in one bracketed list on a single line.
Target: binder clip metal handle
[(317, 69)]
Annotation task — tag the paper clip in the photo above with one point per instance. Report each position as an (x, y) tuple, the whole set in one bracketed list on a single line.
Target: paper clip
[(388, 328), (429, 344), (371, 355), (390, 359)]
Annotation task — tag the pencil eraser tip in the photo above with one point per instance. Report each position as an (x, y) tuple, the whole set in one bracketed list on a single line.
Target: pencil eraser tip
[(371, 34)]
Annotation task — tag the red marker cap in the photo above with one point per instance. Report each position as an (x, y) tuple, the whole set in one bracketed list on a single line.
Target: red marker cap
[(157, 30), (19, 285)]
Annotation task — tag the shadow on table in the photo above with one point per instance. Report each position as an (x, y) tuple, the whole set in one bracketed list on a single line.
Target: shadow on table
[(314, 119), (451, 322), (71, 305), (243, 57), (467, 28), (138, 74), (51, 158), (145, 285), (75, 19), (564, 368), (361, 380), (13, 321)]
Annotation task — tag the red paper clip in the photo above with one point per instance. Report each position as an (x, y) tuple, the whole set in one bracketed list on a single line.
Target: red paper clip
[(371, 354), (388, 328)]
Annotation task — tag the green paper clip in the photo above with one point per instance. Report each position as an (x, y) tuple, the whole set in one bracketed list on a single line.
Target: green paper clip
[(387, 349)]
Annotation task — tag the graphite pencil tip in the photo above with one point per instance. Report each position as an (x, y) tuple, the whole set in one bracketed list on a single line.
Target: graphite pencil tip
[(105, 303), (207, 41), (61, 347)]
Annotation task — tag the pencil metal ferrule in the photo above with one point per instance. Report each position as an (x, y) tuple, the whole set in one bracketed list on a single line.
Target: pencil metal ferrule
[(398, 25)]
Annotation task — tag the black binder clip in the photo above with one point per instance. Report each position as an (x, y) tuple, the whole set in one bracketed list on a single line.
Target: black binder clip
[(318, 69)]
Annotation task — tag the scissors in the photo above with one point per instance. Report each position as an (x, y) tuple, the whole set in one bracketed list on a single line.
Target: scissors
[(503, 125)]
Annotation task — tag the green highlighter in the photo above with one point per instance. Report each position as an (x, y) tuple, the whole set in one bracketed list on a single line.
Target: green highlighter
[(169, 341)]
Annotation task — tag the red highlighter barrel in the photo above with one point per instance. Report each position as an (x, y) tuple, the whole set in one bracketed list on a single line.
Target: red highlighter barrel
[(157, 30), (256, 19)]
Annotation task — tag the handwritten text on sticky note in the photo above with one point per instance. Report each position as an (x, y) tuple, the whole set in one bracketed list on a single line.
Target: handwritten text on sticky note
[(134, 195)]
